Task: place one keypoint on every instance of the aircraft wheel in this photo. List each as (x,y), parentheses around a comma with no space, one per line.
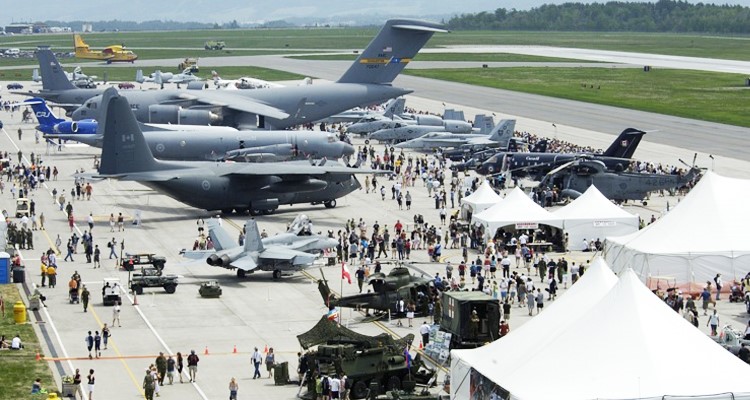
(241,211)
(330,204)
(367,141)
(226,211)
(394,383)
(393,149)
(268,211)
(645,203)
(359,390)
(241,273)
(254,212)
(276,274)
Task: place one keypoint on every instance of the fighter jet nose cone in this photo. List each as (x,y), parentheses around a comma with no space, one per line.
(347,149)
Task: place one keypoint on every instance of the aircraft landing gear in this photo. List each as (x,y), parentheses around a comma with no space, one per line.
(268,211)
(254,212)
(276,274)
(330,204)
(226,211)
(241,273)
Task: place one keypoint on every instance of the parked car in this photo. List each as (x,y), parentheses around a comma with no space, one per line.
(125,85)
(14,86)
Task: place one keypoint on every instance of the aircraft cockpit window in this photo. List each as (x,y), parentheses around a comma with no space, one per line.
(493,159)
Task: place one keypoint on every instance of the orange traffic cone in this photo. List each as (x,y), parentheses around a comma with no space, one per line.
(135,299)
(38,356)
(234,350)
(420,345)
(205,352)
(265,349)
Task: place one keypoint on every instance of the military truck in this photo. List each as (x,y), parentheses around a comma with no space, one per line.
(153,277)
(214,45)
(189,62)
(458,309)
(131,261)
(371,363)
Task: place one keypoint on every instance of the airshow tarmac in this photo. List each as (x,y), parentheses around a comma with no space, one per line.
(257,311)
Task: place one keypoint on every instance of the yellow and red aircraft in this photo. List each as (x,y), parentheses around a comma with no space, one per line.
(114,53)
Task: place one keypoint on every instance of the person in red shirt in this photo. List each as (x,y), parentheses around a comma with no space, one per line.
(398,227)
(504,328)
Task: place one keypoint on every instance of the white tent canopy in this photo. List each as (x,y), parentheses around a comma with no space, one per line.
(516,208)
(499,357)
(593,216)
(705,234)
(483,198)
(630,345)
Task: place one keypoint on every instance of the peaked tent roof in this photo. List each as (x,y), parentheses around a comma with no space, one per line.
(592,205)
(499,357)
(630,345)
(515,207)
(483,198)
(696,239)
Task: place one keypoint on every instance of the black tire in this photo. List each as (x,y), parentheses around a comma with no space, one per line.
(226,211)
(268,211)
(393,383)
(170,288)
(137,289)
(330,204)
(254,212)
(241,273)
(359,390)
(367,141)
(276,274)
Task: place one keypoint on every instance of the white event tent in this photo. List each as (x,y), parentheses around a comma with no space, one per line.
(483,198)
(500,356)
(628,345)
(515,209)
(705,234)
(593,216)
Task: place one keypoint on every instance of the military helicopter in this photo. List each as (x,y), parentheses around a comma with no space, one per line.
(386,290)
(574,177)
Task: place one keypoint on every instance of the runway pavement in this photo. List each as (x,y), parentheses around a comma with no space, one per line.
(257,311)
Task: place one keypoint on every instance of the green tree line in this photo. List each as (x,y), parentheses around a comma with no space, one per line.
(662,16)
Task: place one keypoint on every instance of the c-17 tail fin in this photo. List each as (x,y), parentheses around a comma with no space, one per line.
(53,76)
(252,236)
(625,144)
(397,43)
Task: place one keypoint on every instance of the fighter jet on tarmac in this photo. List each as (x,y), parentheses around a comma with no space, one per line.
(367,81)
(282,253)
(226,186)
(499,137)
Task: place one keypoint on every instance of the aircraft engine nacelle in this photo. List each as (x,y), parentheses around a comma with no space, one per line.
(66,128)
(455,126)
(429,120)
(214,260)
(171,114)
(309,185)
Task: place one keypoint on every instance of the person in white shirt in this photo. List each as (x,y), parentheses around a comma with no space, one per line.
(16,344)
(424,330)
(335,387)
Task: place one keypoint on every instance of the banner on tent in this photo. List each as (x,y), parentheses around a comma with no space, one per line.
(601,224)
(527,225)
(482,388)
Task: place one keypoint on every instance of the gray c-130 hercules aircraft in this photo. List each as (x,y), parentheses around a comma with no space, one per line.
(226,186)
(367,81)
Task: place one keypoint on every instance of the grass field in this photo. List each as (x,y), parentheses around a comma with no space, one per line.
(128,73)
(700,95)
(729,47)
(479,57)
(20,368)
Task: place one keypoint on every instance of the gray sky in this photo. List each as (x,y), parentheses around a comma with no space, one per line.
(256,11)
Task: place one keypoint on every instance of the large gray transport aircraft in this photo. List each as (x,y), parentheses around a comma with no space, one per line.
(226,186)
(367,81)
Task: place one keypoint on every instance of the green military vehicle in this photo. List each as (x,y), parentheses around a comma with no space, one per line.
(131,261)
(214,45)
(458,310)
(153,277)
(371,363)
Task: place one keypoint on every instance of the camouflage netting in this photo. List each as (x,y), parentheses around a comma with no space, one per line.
(327,331)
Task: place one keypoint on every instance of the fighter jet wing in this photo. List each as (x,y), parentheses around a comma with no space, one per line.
(235,103)
(246,263)
(298,257)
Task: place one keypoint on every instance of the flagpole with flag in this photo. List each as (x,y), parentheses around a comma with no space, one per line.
(344,275)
